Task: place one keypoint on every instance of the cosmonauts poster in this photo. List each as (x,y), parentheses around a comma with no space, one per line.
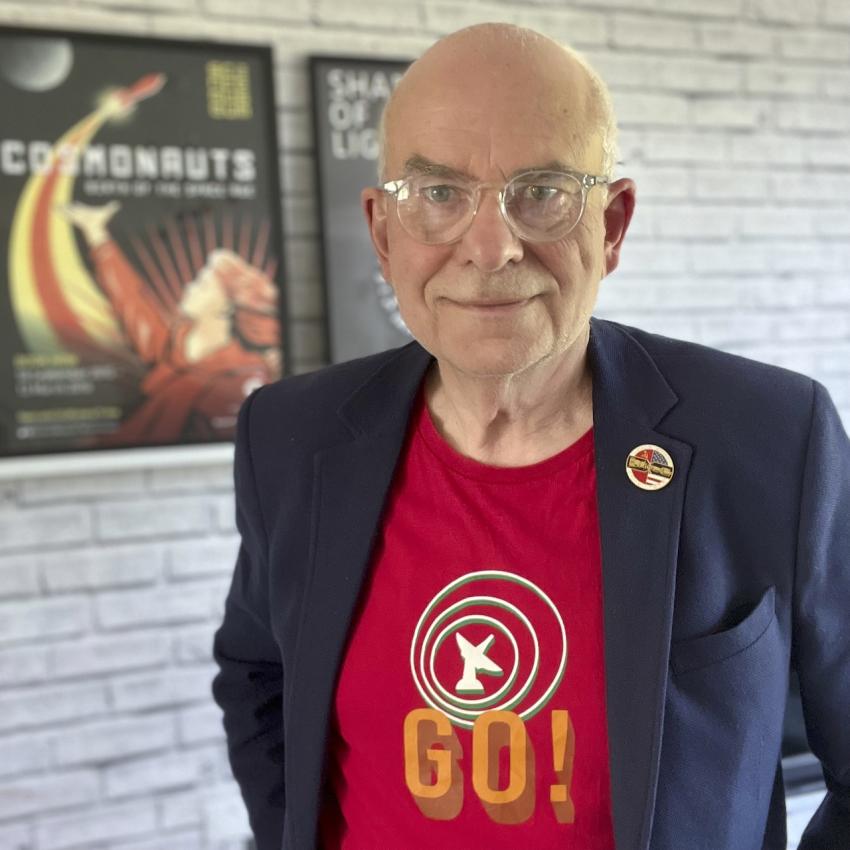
(140,240)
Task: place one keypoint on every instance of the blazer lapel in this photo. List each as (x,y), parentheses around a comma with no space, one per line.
(350,487)
(640,534)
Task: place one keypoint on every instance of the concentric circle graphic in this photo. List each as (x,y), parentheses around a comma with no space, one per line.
(488,626)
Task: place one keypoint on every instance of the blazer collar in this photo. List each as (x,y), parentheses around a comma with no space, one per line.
(639,532)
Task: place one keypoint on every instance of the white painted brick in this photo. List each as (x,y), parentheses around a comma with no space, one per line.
(151,517)
(214,556)
(660,182)
(23,753)
(821,188)
(576,28)
(815,44)
(308,340)
(829,117)
(770,292)
(833,223)
(734,113)
(701,76)
(729,184)
(726,328)
(671,147)
(298,172)
(108,654)
(23,666)
(295,130)
(162,606)
(150,5)
(378,14)
(300,216)
(292,85)
(827,152)
(108,740)
(815,325)
(647,108)
(772,221)
(718,8)
(194,644)
(832,359)
(836,12)
(39,794)
(622,70)
(836,83)
(37,527)
(162,689)
(158,773)
(303,262)
(225,814)
(721,257)
(38,706)
(701,222)
(18,576)
(43,618)
(225,513)
(833,292)
(17,837)
(781,78)
(218,476)
(736,39)
(335,41)
(106,823)
(639,31)
(782,11)
(259,10)
(806,255)
(107,566)
(200,724)
(641,226)
(768,148)
(185,839)
(74,18)
(76,487)
(179,810)
(653,256)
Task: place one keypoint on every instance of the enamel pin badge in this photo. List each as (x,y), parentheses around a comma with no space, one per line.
(649,467)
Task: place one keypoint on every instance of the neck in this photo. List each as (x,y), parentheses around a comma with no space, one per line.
(518,419)
(208,334)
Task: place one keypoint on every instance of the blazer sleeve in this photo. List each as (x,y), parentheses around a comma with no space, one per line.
(821,636)
(249,684)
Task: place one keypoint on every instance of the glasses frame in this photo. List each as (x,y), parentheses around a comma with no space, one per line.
(586,181)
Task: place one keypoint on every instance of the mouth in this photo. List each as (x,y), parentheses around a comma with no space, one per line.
(494,307)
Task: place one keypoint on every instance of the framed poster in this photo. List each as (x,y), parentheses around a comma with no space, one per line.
(140,240)
(348,98)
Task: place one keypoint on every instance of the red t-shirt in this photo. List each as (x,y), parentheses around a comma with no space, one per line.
(470,708)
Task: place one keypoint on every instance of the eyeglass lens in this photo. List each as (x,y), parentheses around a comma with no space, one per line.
(539,206)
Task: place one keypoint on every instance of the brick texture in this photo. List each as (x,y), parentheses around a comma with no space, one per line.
(735,123)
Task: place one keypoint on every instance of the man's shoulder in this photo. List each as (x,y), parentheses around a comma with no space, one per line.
(306,405)
(685,364)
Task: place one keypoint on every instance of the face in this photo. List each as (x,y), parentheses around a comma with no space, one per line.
(490,303)
(204,297)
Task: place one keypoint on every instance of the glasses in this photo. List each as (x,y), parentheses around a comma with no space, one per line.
(538,206)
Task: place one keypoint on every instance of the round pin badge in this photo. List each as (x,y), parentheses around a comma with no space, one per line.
(649,467)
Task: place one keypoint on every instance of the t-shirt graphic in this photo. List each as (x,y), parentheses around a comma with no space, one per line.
(470,705)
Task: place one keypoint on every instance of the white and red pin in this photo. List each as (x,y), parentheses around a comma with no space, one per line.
(649,467)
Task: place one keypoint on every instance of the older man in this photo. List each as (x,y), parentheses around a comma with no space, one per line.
(533,580)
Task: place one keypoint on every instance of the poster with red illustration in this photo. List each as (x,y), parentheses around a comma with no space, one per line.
(141,295)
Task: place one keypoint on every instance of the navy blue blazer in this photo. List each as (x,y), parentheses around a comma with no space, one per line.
(713,586)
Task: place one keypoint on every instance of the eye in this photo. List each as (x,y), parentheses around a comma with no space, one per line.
(541,193)
(440,194)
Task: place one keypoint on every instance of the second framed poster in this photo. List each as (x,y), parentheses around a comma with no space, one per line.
(348,98)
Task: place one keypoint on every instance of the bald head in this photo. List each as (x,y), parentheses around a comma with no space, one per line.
(494,68)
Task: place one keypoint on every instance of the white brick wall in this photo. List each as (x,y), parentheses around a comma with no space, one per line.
(735,122)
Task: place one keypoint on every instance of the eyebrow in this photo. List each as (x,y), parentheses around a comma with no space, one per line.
(418,164)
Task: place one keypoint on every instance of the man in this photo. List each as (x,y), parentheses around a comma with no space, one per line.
(533,580)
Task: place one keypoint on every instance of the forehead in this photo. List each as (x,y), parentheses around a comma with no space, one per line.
(501,118)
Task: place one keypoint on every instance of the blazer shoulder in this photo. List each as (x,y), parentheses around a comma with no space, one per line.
(303,408)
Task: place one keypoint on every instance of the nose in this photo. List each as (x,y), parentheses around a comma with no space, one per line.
(489,244)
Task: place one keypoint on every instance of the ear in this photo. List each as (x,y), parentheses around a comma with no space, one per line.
(618,213)
(374,204)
